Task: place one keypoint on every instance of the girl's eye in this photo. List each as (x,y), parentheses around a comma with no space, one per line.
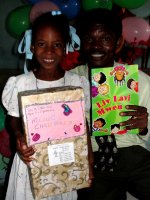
(41,44)
(58,45)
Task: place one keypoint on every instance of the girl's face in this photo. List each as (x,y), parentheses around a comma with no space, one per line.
(48,48)
(99,46)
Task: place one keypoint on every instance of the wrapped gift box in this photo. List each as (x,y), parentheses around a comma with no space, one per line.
(54,122)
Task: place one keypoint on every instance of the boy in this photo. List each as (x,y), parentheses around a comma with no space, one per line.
(101,39)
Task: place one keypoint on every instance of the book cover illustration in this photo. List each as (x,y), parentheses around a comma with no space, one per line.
(112,89)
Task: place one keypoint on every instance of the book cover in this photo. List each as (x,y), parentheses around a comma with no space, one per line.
(112,89)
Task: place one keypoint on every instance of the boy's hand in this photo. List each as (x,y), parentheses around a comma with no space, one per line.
(139,117)
(24,151)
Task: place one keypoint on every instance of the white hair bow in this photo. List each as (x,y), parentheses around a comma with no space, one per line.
(75,40)
(24,47)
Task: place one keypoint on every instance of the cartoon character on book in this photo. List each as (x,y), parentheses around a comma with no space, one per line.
(103,89)
(98,78)
(115,129)
(98,84)
(119,73)
(132,84)
(98,124)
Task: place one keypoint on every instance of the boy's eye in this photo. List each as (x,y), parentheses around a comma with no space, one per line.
(107,39)
(88,39)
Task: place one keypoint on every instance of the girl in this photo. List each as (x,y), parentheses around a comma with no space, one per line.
(50,34)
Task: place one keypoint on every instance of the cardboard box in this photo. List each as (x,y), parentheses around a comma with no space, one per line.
(54,122)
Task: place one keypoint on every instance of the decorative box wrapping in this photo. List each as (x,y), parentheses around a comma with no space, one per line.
(54,122)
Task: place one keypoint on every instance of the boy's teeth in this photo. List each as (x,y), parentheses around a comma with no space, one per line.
(97,55)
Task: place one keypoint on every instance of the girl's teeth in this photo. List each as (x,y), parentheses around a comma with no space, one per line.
(48,60)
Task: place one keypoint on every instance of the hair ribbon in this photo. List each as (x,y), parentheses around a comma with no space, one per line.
(24,47)
(75,40)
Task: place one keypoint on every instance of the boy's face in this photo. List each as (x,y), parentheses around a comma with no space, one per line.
(99,46)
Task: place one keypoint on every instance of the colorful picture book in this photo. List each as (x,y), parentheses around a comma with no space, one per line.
(112,89)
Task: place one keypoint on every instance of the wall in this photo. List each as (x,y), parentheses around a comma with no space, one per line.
(8,45)
(8,59)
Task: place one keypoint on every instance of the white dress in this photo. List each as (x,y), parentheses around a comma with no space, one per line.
(19,185)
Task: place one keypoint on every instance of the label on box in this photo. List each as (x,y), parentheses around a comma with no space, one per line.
(61,153)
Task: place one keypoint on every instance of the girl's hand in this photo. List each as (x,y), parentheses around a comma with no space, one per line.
(24,151)
(139,117)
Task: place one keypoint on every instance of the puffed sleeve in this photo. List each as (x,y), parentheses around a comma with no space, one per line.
(10,97)
(86,87)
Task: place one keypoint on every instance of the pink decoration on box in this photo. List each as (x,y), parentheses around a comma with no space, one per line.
(49,121)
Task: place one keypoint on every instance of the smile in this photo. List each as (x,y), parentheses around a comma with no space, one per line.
(48,60)
(97,55)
